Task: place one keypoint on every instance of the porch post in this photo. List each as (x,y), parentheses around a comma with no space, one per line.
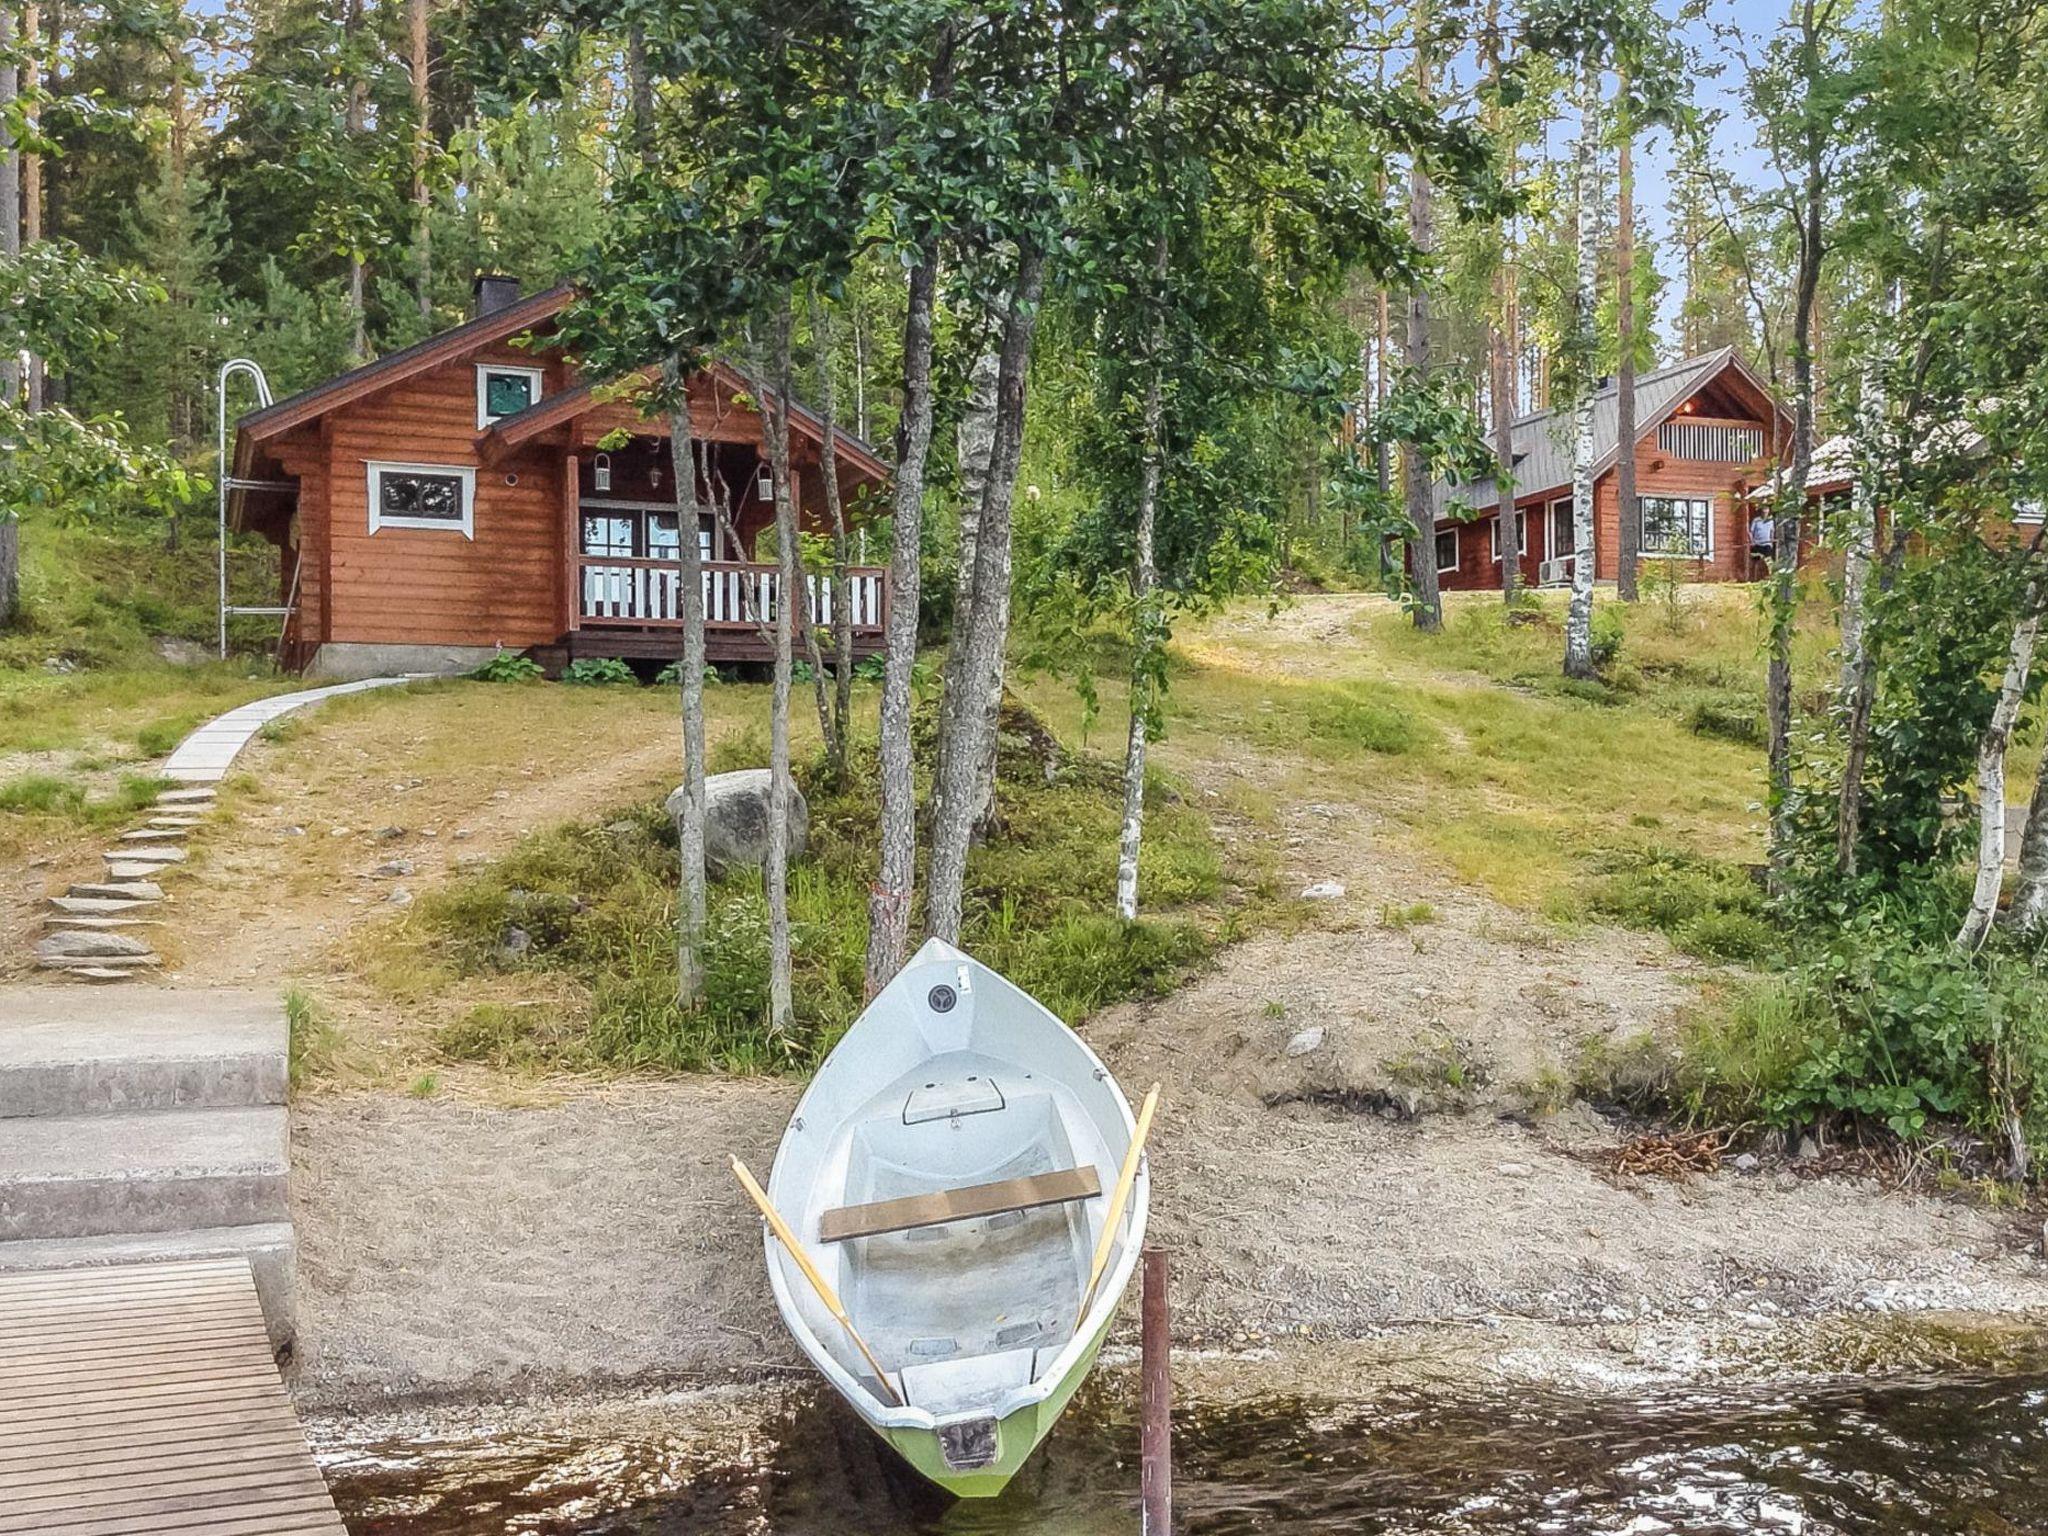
(572,544)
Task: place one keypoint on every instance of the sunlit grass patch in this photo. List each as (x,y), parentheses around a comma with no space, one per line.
(61,798)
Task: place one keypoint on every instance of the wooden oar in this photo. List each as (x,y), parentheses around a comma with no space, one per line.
(1117,1201)
(818,1282)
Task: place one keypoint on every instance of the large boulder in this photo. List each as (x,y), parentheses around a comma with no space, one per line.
(736,820)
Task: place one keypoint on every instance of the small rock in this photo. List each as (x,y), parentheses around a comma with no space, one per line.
(400,897)
(294,831)
(463,833)
(1323,890)
(1805,1149)
(516,942)
(471,860)
(501,794)
(1514,1170)
(1746,1163)
(339,832)
(389,834)
(391,869)
(1309,1039)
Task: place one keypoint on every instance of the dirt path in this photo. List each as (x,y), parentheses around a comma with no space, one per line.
(1360,1143)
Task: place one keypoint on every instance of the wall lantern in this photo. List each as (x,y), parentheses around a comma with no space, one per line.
(601,472)
(765,486)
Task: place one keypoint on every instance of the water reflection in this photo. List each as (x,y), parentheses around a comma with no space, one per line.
(1926,1458)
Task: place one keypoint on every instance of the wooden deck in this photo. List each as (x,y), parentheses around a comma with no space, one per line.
(144,1399)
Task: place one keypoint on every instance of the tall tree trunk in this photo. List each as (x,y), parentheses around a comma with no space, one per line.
(835,508)
(1991,749)
(1857,692)
(1147,636)
(32,169)
(640,94)
(354,121)
(964,752)
(1415,474)
(1629,546)
(690,904)
(422,143)
(973,447)
(1500,345)
(10,182)
(775,869)
(889,900)
(1578,627)
(2028,915)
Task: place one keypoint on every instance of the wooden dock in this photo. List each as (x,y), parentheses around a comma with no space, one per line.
(144,1399)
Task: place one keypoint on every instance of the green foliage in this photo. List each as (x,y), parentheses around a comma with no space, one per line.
(597,671)
(509,667)
(1707,908)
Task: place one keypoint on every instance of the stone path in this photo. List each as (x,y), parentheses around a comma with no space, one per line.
(99,930)
(204,756)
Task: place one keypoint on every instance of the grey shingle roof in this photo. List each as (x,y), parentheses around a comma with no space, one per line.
(1543,442)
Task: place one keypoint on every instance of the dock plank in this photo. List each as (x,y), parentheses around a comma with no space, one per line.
(142,1400)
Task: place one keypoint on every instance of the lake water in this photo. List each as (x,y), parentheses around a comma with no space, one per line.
(1949,1457)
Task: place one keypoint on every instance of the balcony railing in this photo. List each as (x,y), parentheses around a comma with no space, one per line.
(737,595)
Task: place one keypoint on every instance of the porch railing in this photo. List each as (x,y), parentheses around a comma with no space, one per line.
(737,595)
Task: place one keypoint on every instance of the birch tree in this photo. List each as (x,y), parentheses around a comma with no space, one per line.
(10,180)
(1629,510)
(422,150)
(1991,752)
(789,593)
(1578,628)
(1417,490)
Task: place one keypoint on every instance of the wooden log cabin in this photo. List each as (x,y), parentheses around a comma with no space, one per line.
(472,494)
(1708,431)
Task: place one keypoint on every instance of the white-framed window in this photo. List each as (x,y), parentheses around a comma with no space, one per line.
(504,389)
(1677,527)
(423,496)
(1521,535)
(1446,551)
(1564,530)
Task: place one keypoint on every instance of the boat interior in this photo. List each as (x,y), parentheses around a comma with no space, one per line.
(963,1230)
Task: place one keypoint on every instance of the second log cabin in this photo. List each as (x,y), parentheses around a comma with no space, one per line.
(473,494)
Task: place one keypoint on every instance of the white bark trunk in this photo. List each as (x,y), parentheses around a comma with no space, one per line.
(10,184)
(889,901)
(1991,776)
(2028,915)
(775,871)
(690,904)
(1578,628)
(1146,626)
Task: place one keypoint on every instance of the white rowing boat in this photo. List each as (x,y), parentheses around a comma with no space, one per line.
(945,1186)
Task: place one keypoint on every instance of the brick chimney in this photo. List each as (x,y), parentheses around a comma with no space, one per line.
(492,292)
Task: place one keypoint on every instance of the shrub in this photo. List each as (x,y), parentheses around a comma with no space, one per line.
(1730,717)
(42,794)
(672,674)
(509,667)
(1707,907)
(597,671)
(1606,636)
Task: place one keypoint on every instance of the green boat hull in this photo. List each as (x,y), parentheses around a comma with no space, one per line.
(1017,1436)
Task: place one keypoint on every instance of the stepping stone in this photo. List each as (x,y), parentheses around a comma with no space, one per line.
(117,947)
(173,823)
(126,890)
(118,964)
(64,922)
(94,906)
(145,855)
(122,869)
(97,973)
(186,797)
(154,835)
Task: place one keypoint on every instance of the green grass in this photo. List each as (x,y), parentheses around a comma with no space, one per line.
(65,799)
(591,908)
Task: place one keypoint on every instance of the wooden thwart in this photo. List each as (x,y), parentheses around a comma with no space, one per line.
(144,1398)
(944,1205)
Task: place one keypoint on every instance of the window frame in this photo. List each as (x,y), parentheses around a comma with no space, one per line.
(537,376)
(1450,533)
(376,469)
(1552,527)
(1706,552)
(1521,536)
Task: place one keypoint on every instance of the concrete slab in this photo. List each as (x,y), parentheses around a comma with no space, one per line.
(98,906)
(118,890)
(144,854)
(64,1054)
(58,922)
(159,1171)
(154,835)
(270,1247)
(189,796)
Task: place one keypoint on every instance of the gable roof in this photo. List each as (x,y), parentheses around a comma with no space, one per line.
(1543,441)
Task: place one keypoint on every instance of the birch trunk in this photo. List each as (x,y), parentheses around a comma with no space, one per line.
(32,169)
(690,902)
(1991,751)
(775,870)
(1146,626)
(889,900)
(1502,383)
(354,121)
(422,141)
(814,656)
(967,748)
(1629,546)
(835,508)
(10,182)
(1578,627)
(974,447)
(1416,489)
(2028,915)
(1856,693)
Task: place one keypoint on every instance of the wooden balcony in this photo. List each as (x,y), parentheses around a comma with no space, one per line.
(630,608)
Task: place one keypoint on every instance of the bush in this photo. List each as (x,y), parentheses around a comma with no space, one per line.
(1729,717)
(597,671)
(509,667)
(1707,907)
(1606,636)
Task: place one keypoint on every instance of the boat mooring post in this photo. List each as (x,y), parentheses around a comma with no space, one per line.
(1155,1414)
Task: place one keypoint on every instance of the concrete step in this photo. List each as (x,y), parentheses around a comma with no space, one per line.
(119,890)
(143,853)
(173,823)
(153,835)
(58,922)
(121,869)
(98,906)
(94,973)
(188,796)
(63,1055)
(126,964)
(269,1246)
(170,1170)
